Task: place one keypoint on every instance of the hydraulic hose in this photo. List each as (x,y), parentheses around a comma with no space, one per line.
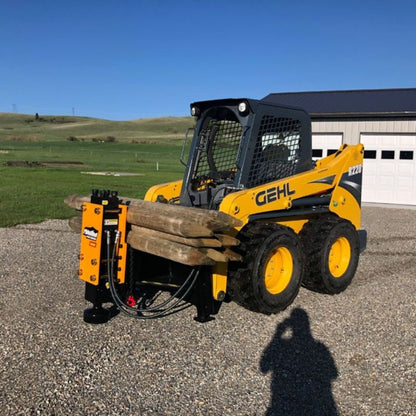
(155,311)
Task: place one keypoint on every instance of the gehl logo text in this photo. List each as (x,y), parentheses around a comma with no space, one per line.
(273,194)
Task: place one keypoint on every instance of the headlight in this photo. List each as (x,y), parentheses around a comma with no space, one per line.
(195,111)
(242,107)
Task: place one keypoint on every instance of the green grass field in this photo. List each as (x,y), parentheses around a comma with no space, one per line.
(30,194)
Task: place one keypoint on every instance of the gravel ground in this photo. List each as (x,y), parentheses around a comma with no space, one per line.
(351,354)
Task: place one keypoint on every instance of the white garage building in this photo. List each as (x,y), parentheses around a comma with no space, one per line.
(383,120)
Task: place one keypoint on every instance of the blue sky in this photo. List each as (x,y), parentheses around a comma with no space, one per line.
(125,59)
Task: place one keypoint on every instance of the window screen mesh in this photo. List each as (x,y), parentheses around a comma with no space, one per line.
(277,150)
(220,141)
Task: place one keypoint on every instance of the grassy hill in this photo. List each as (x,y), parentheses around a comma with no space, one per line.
(44,160)
(21,127)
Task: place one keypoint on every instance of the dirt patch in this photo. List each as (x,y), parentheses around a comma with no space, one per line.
(74,124)
(113,173)
(22,138)
(32,164)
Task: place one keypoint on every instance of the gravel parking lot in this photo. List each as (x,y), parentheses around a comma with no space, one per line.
(351,354)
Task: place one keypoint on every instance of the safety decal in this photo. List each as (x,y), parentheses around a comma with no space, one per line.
(111,221)
(91,233)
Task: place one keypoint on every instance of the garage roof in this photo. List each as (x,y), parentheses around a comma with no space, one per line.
(351,103)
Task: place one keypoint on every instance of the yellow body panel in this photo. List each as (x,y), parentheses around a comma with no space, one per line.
(343,202)
(280,194)
(295,225)
(219,280)
(170,190)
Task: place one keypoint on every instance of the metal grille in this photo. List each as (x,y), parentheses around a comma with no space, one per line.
(277,150)
(219,145)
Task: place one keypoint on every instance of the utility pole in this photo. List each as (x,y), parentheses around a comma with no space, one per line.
(14,108)
(73,111)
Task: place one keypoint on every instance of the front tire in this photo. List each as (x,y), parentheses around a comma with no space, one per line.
(269,278)
(332,251)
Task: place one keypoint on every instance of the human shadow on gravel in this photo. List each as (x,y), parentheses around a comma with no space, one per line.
(302,370)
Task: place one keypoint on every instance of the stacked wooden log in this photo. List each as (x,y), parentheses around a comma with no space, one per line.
(191,236)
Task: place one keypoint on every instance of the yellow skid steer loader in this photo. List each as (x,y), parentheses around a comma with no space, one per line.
(253,219)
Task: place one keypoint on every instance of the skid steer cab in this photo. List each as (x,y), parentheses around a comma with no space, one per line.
(252,220)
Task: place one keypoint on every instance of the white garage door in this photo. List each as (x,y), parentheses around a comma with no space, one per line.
(325,144)
(389,169)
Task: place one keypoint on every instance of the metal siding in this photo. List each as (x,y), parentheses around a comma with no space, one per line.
(353,129)
(355,133)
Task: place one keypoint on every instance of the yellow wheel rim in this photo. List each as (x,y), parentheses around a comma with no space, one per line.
(339,257)
(278,270)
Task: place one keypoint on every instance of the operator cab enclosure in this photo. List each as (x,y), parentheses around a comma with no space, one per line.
(242,143)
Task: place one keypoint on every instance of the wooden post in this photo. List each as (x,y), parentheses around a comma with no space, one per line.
(193,242)
(187,222)
(172,224)
(227,240)
(75,223)
(180,253)
(76,201)
(214,220)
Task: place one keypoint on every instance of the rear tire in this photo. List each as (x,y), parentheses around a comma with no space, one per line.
(332,250)
(269,278)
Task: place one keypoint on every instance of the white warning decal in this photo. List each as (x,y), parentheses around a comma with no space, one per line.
(91,233)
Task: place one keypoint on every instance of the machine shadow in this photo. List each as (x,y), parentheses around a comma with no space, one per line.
(302,370)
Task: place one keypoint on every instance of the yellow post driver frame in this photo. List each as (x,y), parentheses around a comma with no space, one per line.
(102,219)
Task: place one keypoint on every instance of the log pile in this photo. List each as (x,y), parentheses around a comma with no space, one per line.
(190,236)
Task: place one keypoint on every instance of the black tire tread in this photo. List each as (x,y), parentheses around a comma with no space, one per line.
(313,236)
(240,285)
